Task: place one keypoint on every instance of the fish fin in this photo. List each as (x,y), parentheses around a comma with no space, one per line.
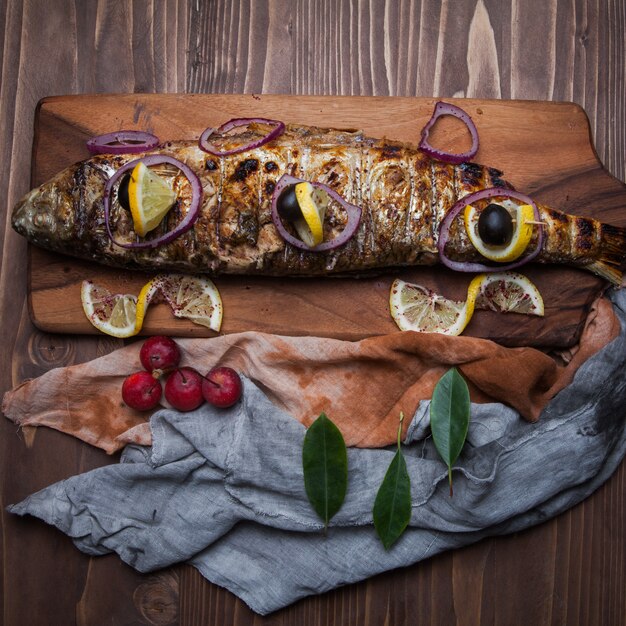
(612,259)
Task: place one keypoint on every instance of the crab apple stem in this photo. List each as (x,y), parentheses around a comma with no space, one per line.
(210,381)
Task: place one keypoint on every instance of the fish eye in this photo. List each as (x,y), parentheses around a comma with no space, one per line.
(41,217)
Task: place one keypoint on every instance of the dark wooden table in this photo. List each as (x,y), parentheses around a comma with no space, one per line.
(570,570)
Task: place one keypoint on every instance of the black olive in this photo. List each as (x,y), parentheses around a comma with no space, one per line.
(287,204)
(495,225)
(122,192)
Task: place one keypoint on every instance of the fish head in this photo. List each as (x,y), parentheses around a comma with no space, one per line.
(45,215)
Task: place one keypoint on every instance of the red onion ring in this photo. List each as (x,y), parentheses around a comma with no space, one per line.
(185,224)
(353,211)
(445,108)
(205,145)
(491,192)
(123,142)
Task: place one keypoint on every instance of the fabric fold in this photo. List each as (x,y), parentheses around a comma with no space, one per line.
(224,490)
(367,383)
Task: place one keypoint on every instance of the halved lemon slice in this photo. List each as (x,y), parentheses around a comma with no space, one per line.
(193,298)
(113,314)
(509,292)
(417,308)
(414,307)
(522,234)
(122,315)
(149,197)
(312,203)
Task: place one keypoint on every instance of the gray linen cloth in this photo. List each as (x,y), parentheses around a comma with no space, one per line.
(223,490)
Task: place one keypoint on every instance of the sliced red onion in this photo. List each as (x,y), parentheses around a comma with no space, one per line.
(185,224)
(491,192)
(445,108)
(123,142)
(203,142)
(353,211)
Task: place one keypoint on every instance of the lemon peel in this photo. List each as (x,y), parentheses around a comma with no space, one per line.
(313,206)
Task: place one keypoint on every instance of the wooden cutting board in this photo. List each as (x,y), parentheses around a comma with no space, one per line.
(544,149)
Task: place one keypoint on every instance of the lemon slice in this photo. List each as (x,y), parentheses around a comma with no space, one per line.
(193,298)
(519,241)
(149,197)
(114,315)
(417,308)
(509,292)
(312,203)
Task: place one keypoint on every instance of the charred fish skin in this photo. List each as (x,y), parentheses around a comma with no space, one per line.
(404,195)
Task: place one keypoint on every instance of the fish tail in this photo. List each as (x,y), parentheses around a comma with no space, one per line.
(612,258)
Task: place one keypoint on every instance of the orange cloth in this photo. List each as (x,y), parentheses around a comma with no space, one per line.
(362,386)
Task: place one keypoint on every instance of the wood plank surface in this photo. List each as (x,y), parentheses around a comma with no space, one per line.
(544,147)
(569,570)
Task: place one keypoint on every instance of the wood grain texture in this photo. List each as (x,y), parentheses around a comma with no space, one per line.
(570,570)
(343,307)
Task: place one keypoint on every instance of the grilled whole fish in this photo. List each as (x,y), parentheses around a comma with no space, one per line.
(404,196)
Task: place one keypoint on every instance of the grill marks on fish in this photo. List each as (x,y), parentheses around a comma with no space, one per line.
(84,188)
(403,195)
(238,222)
(585,235)
(244,168)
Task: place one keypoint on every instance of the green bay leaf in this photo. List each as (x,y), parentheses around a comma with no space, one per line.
(392,507)
(449,417)
(325,465)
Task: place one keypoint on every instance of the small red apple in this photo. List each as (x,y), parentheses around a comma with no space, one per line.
(141,391)
(183,389)
(159,354)
(221,387)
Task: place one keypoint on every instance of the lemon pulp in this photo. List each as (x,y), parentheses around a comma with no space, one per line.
(113,314)
(196,299)
(417,308)
(149,197)
(510,292)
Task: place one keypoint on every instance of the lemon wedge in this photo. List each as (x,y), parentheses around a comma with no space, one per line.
(113,314)
(418,308)
(149,198)
(522,234)
(312,203)
(509,292)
